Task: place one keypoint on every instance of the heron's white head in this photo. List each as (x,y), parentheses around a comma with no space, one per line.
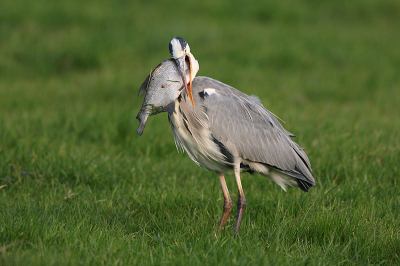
(178,47)
(180,51)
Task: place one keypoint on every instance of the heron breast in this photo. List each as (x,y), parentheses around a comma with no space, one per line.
(198,142)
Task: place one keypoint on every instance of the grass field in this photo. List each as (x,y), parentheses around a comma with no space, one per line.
(78,186)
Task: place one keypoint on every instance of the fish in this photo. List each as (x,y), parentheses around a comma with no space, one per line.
(163,86)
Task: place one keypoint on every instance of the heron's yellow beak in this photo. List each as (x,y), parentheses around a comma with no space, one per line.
(189,85)
(182,71)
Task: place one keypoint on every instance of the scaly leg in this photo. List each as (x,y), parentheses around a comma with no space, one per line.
(241,205)
(227,202)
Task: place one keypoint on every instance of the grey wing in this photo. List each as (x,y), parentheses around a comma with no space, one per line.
(242,123)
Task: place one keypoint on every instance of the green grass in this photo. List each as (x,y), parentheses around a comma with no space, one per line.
(78,186)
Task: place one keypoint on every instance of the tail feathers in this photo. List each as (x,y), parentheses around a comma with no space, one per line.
(294,178)
(302,182)
(304,185)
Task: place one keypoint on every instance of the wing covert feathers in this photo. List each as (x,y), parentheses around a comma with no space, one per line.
(246,127)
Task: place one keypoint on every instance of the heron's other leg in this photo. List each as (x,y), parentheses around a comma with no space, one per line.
(227,201)
(241,205)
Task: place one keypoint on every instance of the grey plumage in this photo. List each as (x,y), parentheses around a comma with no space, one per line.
(223,129)
(249,132)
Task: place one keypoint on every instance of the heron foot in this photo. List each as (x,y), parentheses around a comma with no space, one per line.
(227,202)
(225,214)
(241,206)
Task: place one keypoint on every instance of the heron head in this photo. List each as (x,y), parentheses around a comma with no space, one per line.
(180,51)
(178,48)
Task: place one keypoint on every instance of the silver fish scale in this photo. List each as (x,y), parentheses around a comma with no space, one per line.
(162,87)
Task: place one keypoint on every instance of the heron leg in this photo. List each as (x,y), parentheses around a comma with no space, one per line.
(241,205)
(227,201)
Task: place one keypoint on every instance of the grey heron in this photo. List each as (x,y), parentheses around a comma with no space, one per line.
(224,130)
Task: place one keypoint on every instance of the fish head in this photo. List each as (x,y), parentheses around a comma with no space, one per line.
(162,87)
